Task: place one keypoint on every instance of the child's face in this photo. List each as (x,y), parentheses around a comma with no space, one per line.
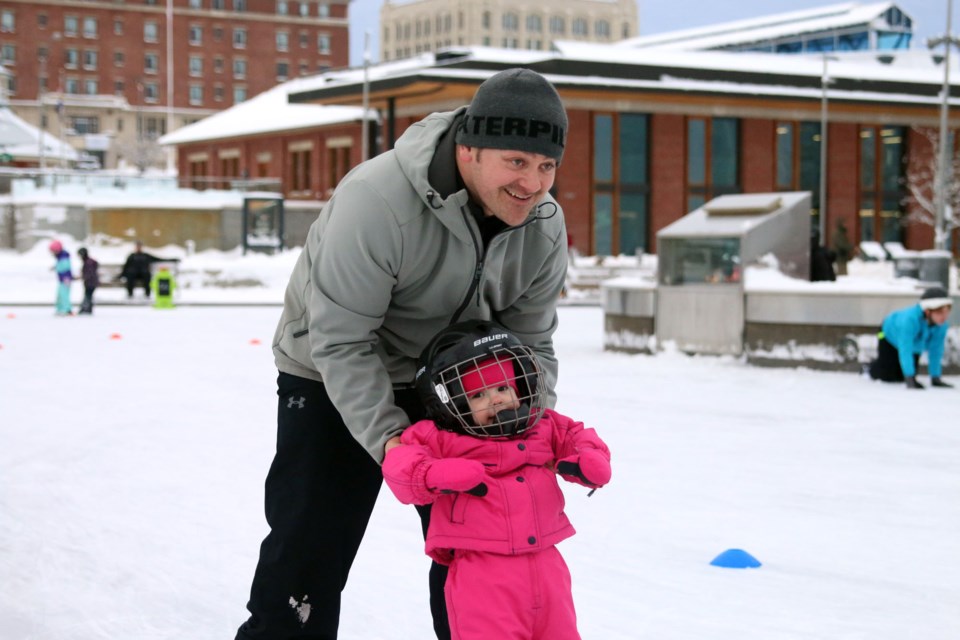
(485,404)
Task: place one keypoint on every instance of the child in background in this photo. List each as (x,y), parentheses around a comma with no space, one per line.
(64,278)
(91,280)
(488,459)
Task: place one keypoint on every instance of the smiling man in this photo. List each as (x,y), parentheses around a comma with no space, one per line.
(455,223)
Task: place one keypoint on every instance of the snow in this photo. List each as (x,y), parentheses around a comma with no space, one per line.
(134,444)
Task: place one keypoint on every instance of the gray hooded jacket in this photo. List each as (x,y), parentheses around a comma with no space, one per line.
(393,259)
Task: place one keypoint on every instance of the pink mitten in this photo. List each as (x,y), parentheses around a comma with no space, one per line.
(591,468)
(454,474)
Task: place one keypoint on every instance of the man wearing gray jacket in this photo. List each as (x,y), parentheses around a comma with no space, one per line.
(454,223)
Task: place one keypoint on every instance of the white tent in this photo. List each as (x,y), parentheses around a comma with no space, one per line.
(21,140)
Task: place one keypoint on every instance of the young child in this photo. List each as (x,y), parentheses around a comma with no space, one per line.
(488,459)
(91,280)
(64,278)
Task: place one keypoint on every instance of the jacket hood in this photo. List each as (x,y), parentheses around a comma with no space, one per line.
(415,151)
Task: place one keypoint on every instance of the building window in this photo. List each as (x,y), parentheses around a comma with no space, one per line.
(151,91)
(300,170)
(625,31)
(218,64)
(150,31)
(89,27)
(239,94)
(338,164)
(798,161)
(89,60)
(283,71)
(239,38)
(239,68)
(218,92)
(196,65)
(620,183)
(8,53)
(535,24)
(118,27)
(83,125)
(196,34)
(283,41)
(239,5)
(8,21)
(151,63)
(196,4)
(218,5)
(71,58)
(304,9)
(282,8)
(510,22)
(580,27)
(218,34)
(71,25)
(196,94)
(71,86)
(882,164)
(91,87)
(323,44)
(713,151)
(118,90)
(12,85)
(323,10)
(601,29)
(118,58)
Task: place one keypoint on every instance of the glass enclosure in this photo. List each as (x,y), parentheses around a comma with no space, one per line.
(699,261)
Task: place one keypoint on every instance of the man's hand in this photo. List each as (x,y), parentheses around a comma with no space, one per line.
(937,381)
(391,443)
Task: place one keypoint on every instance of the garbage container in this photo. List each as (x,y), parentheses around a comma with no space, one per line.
(935,267)
(907,265)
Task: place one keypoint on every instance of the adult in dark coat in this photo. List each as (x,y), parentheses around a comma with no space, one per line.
(136,270)
(821,259)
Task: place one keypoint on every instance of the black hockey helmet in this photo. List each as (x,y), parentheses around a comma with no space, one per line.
(479,351)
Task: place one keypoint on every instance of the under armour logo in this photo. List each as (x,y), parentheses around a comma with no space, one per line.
(298,402)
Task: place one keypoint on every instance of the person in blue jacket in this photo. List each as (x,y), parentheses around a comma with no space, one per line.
(64,278)
(907,333)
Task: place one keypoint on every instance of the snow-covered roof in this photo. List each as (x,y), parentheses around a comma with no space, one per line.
(770,27)
(21,140)
(266,112)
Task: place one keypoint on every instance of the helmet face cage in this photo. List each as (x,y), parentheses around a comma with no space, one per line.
(454,354)
(510,420)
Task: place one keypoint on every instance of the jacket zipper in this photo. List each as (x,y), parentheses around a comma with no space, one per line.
(477,272)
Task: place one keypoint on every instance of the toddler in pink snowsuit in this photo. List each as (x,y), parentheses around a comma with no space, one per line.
(488,461)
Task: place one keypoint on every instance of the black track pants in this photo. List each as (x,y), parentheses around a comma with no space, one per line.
(319,495)
(887,365)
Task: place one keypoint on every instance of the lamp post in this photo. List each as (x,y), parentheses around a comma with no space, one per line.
(824,81)
(942,178)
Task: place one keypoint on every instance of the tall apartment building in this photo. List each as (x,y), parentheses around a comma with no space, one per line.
(111,76)
(412,27)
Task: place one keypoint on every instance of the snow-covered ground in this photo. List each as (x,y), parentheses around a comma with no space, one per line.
(134,444)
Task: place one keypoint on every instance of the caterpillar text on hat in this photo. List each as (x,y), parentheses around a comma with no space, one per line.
(516,109)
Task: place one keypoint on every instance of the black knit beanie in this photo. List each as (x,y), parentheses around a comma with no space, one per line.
(934,298)
(516,109)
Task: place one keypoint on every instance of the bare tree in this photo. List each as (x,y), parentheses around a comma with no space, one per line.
(921,183)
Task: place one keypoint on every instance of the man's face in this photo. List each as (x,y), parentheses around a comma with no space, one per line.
(507,184)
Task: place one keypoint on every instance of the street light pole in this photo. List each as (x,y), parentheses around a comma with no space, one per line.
(824,81)
(940,192)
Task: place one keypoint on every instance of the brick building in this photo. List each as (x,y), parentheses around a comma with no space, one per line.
(110,78)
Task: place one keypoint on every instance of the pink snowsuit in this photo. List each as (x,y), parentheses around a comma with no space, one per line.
(507,580)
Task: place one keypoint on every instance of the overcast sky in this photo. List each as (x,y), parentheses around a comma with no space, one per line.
(929,17)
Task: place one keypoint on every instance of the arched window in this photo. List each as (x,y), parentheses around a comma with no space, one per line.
(580,27)
(601,29)
(485,20)
(558,26)
(510,22)
(535,24)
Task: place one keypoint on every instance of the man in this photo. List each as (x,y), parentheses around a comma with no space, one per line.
(136,270)
(454,223)
(909,332)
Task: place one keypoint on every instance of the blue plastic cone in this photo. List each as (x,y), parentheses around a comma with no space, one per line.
(735,559)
